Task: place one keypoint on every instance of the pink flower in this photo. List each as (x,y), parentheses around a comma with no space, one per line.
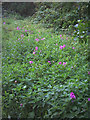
(4,23)
(15,81)
(89,72)
(18,38)
(36,48)
(73,47)
(49,62)
(60,35)
(56,43)
(62,38)
(72,95)
(88,99)
(22,35)
(66,38)
(42,38)
(53,61)
(21,104)
(18,28)
(61,47)
(64,63)
(38,31)
(37,39)
(25,30)
(33,52)
(60,62)
(30,62)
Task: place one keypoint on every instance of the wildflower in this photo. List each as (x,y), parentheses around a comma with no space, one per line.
(64,63)
(61,47)
(76,25)
(42,38)
(36,48)
(22,35)
(66,38)
(49,62)
(88,99)
(60,62)
(30,62)
(15,81)
(37,39)
(21,104)
(89,72)
(33,52)
(72,95)
(4,23)
(53,61)
(71,66)
(18,28)
(73,47)
(81,36)
(62,38)
(56,43)
(18,38)
(25,30)
(60,35)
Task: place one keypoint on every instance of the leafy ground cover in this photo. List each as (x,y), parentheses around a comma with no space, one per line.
(45,75)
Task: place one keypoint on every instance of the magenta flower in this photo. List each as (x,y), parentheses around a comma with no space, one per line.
(21,104)
(73,47)
(4,23)
(89,72)
(36,48)
(60,62)
(88,99)
(18,28)
(60,35)
(30,62)
(37,39)
(18,38)
(25,30)
(62,38)
(72,95)
(42,38)
(64,63)
(33,52)
(49,62)
(56,43)
(61,47)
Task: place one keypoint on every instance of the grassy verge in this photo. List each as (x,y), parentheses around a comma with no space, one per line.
(40,70)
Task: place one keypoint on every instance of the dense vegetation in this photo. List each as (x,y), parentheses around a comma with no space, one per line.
(45,74)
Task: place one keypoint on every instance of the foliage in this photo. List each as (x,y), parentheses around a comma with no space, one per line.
(42,89)
(62,15)
(81,31)
(23,8)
